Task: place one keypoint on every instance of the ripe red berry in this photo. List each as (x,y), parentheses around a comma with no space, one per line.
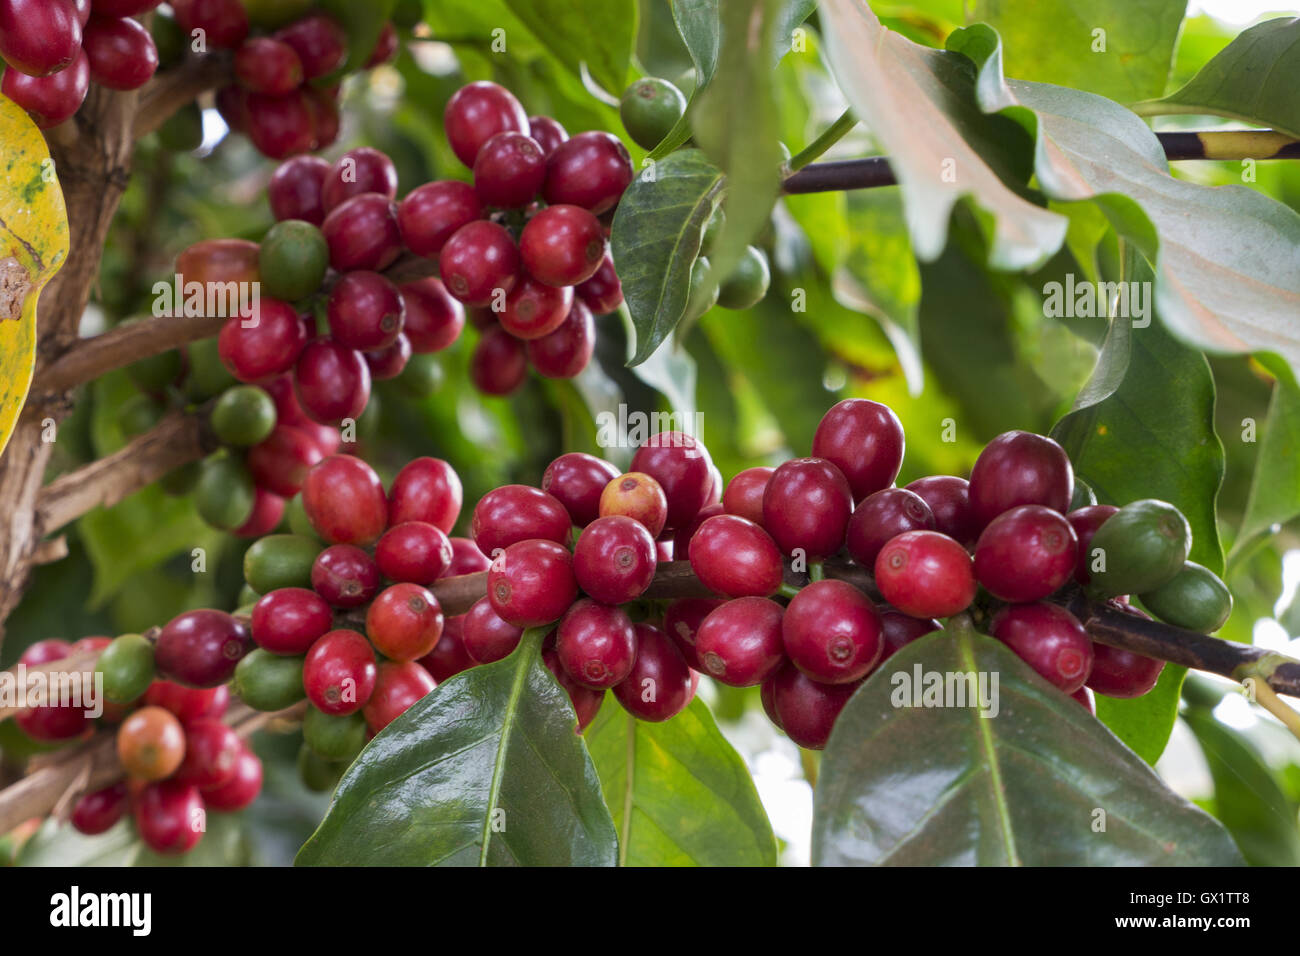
(516,513)
(681,540)
(448,656)
(187,703)
(361,170)
(949,500)
(39,37)
(290,620)
(114,8)
(397,688)
(223,22)
(1085,522)
(925,574)
(331,382)
(281,462)
(326,121)
(1026,553)
(596,644)
(806,709)
(262,342)
(864,439)
(413,551)
(466,558)
(405,621)
(231,102)
(486,637)
(319,41)
(431,213)
(338,673)
(586,700)
(434,318)
(898,629)
(212,752)
(660,684)
(1020,468)
(682,620)
(50,721)
(296,189)
(681,465)
(1121,673)
(99,811)
(201,648)
(807,506)
(531,583)
(389,362)
(1049,639)
(170,816)
(562,245)
(881,516)
(427,489)
(744,493)
(740,642)
(385,47)
(832,632)
(499,364)
(478,262)
(590,170)
(280,126)
(477,112)
(509,170)
(576,480)
(268,511)
(241,789)
(345,501)
(534,309)
(267,65)
(345,576)
(362,233)
(365,311)
(547,132)
(614,559)
(638,496)
(50,100)
(120,51)
(735,557)
(565,352)
(603,292)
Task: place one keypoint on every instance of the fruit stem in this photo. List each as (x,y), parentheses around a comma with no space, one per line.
(828,138)
(816,571)
(788,591)
(1255,679)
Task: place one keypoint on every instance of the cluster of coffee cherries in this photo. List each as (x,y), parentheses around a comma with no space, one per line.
(179,758)
(54,49)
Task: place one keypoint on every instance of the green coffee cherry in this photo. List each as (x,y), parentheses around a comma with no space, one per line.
(650,108)
(334,738)
(712,230)
(270,14)
(127,667)
(225,495)
(243,415)
(747,285)
(280,561)
(1195,598)
(139,413)
(297,517)
(208,374)
(182,480)
(317,773)
(170,40)
(1144,545)
(265,681)
(292,260)
(421,378)
(703,294)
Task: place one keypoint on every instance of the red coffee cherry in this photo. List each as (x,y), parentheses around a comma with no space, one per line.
(188,703)
(660,684)
(99,811)
(565,352)
(805,709)
(614,559)
(1049,639)
(925,574)
(1120,673)
(241,789)
(562,245)
(949,500)
(231,102)
(326,121)
(267,65)
(223,22)
(113,8)
(212,752)
(596,644)
(150,744)
(201,648)
(366,311)
(576,480)
(404,622)
(736,558)
(477,112)
(434,319)
(466,558)
(864,440)
(603,292)
(1020,468)
(296,189)
(547,133)
(516,513)
(413,551)
(586,701)
(682,620)
(39,37)
(431,214)
(385,47)
(290,620)
(120,51)
(362,233)
(590,170)
(898,629)
(832,632)
(744,493)
(280,126)
(479,259)
(531,583)
(509,170)
(681,542)
(331,382)
(389,362)
(1085,522)
(807,506)
(258,345)
(268,511)
(345,576)
(883,515)
(740,642)
(681,465)
(50,100)
(638,496)
(1026,553)
(320,43)
(281,462)
(448,656)
(397,688)
(486,637)
(427,489)
(533,309)
(50,721)
(345,501)
(361,170)
(169,816)
(499,364)
(339,673)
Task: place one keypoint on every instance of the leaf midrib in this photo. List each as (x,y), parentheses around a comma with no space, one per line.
(503,745)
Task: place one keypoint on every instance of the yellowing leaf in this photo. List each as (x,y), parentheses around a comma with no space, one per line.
(33,245)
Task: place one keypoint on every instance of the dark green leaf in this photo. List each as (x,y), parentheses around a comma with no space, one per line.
(484,771)
(1145,723)
(678,792)
(595,33)
(1275,487)
(1033,785)
(362,22)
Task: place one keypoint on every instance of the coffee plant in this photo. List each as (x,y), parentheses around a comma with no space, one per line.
(514,432)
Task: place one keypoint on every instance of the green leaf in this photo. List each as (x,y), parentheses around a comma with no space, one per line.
(486,771)
(362,22)
(678,792)
(1253,80)
(656,238)
(1275,487)
(918,785)
(1139,38)
(919,103)
(701,30)
(1248,796)
(1145,723)
(596,33)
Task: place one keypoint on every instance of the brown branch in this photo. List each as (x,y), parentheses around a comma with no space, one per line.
(170,90)
(121,346)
